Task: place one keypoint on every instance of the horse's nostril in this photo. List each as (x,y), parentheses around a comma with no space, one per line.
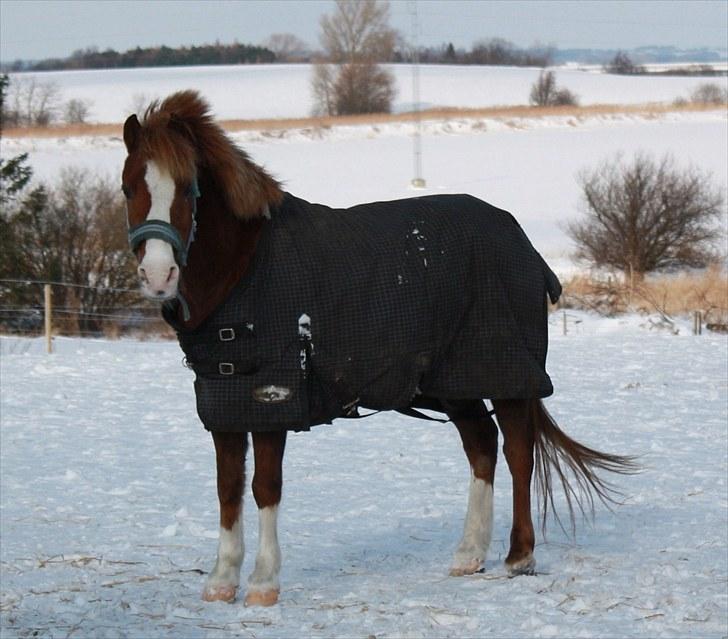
(172,273)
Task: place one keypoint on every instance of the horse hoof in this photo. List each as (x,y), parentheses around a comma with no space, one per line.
(525,566)
(219,593)
(262,598)
(467,568)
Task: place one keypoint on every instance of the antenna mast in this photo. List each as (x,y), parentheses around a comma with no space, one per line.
(418,182)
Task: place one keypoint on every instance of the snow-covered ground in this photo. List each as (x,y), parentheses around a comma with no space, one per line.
(283,91)
(108,513)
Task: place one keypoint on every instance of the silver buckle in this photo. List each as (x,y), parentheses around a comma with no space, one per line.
(226,368)
(226,334)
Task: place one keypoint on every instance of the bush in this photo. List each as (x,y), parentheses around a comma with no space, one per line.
(709,93)
(622,64)
(647,215)
(76,111)
(544,92)
(75,232)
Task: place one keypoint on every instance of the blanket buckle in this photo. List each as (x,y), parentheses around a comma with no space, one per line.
(226,368)
(226,334)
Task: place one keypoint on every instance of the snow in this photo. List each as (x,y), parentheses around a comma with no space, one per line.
(108,510)
(283,91)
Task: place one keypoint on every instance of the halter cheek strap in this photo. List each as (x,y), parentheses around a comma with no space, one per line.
(160,230)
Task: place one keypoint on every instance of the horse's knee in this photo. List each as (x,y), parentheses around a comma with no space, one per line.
(267,490)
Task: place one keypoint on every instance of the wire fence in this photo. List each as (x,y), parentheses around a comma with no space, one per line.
(79,317)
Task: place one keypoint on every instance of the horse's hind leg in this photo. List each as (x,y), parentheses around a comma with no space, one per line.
(223,581)
(263,584)
(518,443)
(480,441)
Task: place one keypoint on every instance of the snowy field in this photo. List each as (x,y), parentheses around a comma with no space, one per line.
(283,91)
(527,166)
(108,511)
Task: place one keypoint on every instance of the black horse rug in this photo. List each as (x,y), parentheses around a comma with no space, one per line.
(380,306)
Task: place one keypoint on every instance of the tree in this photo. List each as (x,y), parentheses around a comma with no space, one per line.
(355,38)
(622,64)
(544,92)
(15,172)
(72,232)
(287,47)
(647,215)
(709,93)
(76,111)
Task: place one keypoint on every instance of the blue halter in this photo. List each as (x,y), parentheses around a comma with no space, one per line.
(159,230)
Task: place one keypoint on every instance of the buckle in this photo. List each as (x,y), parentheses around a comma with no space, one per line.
(226,368)
(226,334)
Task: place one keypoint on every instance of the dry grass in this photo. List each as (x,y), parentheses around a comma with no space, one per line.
(445,113)
(669,295)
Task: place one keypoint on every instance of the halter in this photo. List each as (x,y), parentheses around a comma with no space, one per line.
(159,230)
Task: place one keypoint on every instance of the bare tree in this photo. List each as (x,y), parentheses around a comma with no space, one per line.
(76,111)
(544,92)
(33,103)
(647,215)
(709,93)
(622,64)
(71,232)
(287,47)
(355,38)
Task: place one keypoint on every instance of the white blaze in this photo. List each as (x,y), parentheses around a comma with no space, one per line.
(158,260)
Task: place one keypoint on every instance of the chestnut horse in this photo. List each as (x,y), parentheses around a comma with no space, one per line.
(181,168)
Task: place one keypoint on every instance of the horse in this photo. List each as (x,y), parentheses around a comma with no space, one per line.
(202,215)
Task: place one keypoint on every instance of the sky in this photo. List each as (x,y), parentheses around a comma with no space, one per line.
(37,29)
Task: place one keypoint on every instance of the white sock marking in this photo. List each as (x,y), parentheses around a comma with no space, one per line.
(230,552)
(268,560)
(478,525)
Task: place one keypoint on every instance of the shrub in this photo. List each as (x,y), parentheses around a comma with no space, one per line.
(544,92)
(709,93)
(647,215)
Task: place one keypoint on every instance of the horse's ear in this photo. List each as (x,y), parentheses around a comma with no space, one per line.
(131,133)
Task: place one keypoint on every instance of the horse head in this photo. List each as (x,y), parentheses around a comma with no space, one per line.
(174,147)
(159,181)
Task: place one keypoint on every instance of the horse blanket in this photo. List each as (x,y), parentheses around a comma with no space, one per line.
(377,306)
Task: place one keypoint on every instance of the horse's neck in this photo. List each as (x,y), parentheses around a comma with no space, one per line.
(222,251)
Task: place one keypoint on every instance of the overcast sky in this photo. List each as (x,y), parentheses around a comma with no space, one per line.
(35,29)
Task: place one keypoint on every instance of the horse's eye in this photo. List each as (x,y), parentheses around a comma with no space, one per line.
(126,191)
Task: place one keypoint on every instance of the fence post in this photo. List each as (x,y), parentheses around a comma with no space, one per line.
(565,331)
(48,328)
(697,323)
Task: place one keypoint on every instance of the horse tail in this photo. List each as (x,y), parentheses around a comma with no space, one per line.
(576,466)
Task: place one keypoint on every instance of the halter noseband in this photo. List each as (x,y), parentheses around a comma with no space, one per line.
(160,230)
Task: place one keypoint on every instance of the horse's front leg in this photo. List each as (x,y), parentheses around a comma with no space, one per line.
(263,584)
(230,449)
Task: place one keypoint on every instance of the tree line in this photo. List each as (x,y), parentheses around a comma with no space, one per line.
(207,54)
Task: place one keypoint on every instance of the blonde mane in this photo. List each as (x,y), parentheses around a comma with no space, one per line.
(180,134)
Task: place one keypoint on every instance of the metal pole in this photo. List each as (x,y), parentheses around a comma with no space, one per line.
(48,327)
(418,181)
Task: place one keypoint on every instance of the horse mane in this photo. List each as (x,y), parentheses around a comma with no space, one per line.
(180,134)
